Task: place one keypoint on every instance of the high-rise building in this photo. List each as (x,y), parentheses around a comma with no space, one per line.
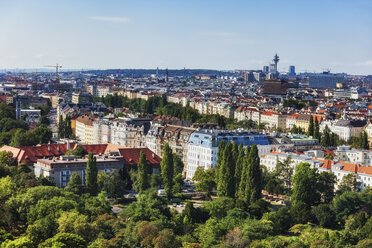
(292,71)
(266,69)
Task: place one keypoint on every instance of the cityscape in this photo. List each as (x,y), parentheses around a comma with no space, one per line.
(185,137)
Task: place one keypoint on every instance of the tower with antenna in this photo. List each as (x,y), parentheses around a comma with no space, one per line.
(276,61)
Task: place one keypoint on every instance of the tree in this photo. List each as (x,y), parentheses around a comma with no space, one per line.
(178,164)
(226,184)
(79,152)
(244,176)
(324,215)
(61,127)
(316,134)
(24,138)
(91,175)
(221,148)
(74,185)
(143,181)
(67,127)
(6,158)
(239,168)
(167,170)
(305,185)
(177,183)
(22,242)
(205,180)
(62,240)
(310,130)
(43,134)
(254,176)
(284,172)
(326,139)
(326,186)
(44,120)
(348,183)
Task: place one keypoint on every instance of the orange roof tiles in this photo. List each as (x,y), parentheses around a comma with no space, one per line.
(131,156)
(365,170)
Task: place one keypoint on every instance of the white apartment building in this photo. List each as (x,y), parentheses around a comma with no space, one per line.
(203,147)
(346,153)
(345,129)
(102,131)
(269,160)
(338,168)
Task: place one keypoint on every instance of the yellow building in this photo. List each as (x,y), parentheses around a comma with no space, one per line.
(84,129)
(303,122)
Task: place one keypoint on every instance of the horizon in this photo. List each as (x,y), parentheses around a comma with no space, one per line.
(218,35)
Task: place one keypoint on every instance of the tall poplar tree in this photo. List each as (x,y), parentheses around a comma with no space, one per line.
(221,148)
(254,176)
(239,169)
(167,170)
(67,127)
(61,127)
(226,185)
(310,130)
(326,139)
(91,175)
(316,130)
(143,176)
(243,178)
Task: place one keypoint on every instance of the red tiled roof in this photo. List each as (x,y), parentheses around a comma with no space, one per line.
(30,154)
(131,156)
(365,170)
(95,149)
(349,166)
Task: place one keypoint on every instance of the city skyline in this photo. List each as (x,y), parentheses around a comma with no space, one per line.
(220,35)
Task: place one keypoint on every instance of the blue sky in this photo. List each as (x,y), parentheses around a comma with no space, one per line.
(312,35)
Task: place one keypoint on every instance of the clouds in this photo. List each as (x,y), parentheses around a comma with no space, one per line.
(112,19)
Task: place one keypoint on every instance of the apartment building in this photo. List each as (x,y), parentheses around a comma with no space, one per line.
(84,129)
(203,146)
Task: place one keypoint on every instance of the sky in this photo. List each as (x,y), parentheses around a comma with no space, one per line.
(313,35)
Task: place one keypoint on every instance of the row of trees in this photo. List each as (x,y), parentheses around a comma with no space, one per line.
(238,172)
(313,129)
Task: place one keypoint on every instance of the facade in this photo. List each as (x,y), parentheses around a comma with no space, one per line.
(275,87)
(291,121)
(325,80)
(368,130)
(101,131)
(270,160)
(81,98)
(303,121)
(345,129)
(348,154)
(302,142)
(59,170)
(203,147)
(84,129)
(273,119)
(129,132)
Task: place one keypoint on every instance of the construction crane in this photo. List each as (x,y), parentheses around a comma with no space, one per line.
(57,67)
